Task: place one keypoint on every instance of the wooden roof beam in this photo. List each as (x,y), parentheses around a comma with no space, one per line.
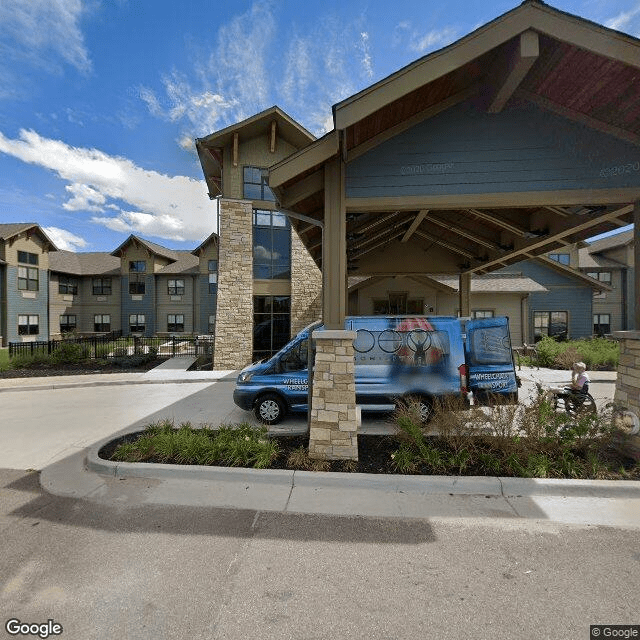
(567,229)
(375,236)
(414,225)
(465,234)
(498,222)
(382,243)
(313,183)
(519,65)
(447,245)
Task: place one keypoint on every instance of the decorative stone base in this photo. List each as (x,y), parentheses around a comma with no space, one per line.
(628,382)
(334,418)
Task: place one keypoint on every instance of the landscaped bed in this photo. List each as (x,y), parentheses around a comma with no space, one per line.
(544,444)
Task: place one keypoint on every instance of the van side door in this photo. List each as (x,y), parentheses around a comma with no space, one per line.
(293,374)
(489,359)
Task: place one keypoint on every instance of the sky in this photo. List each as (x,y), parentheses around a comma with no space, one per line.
(101,100)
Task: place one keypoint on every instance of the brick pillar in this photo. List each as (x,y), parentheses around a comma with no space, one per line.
(234,311)
(333,433)
(628,382)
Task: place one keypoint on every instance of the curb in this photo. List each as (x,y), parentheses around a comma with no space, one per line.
(384,483)
(106,383)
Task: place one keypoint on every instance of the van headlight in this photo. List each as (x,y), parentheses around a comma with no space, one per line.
(245,377)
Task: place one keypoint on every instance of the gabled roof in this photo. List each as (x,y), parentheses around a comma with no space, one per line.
(10,230)
(214,237)
(611,242)
(570,271)
(495,283)
(186,263)
(152,247)
(84,263)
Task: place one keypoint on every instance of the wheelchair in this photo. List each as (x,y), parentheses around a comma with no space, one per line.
(575,403)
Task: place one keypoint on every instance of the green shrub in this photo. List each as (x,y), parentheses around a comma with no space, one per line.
(68,353)
(596,353)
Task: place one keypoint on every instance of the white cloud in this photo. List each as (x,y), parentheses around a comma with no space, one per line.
(65,239)
(173,207)
(253,66)
(625,21)
(419,42)
(44,32)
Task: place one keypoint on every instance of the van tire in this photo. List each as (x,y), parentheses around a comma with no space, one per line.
(269,409)
(425,406)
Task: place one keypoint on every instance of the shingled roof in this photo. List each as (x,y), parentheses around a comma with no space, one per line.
(85,263)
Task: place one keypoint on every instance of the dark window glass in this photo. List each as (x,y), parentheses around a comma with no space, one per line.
(271,324)
(271,246)
(255,184)
(137,323)
(102,322)
(213,276)
(136,284)
(550,323)
(601,324)
(138,266)
(28,325)
(67,286)
(101,286)
(27,258)
(176,287)
(67,323)
(562,258)
(212,324)
(28,279)
(175,322)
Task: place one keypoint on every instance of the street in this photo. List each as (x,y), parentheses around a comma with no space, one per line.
(121,563)
(135,571)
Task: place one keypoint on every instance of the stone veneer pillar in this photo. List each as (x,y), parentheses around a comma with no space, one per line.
(234,310)
(334,419)
(628,383)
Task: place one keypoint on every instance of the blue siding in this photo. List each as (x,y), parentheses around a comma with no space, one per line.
(17,305)
(145,306)
(467,151)
(564,294)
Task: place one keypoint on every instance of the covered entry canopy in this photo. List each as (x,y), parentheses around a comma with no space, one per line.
(518,139)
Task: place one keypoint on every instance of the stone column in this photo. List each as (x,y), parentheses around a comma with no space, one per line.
(334,418)
(628,382)
(234,312)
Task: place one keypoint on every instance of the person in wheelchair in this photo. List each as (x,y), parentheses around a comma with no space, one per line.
(577,394)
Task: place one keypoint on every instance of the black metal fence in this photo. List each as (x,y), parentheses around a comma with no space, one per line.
(115,345)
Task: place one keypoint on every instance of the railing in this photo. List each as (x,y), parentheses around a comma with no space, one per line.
(114,345)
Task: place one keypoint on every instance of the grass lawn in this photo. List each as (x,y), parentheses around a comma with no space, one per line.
(4,358)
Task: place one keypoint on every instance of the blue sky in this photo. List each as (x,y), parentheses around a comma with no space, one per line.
(100,100)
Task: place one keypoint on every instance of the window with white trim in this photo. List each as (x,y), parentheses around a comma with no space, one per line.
(28,325)
(175,322)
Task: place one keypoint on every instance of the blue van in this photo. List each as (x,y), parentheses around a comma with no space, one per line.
(396,357)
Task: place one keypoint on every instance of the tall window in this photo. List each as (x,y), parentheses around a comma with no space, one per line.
(101,286)
(27,275)
(137,272)
(175,322)
(255,184)
(28,325)
(211,328)
(562,258)
(601,324)
(271,324)
(68,323)
(271,245)
(176,287)
(550,323)
(102,322)
(67,285)
(213,276)
(137,323)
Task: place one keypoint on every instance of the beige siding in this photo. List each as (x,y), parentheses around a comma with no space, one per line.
(33,245)
(254,152)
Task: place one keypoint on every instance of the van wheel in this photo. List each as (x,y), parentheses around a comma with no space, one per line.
(269,409)
(421,404)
